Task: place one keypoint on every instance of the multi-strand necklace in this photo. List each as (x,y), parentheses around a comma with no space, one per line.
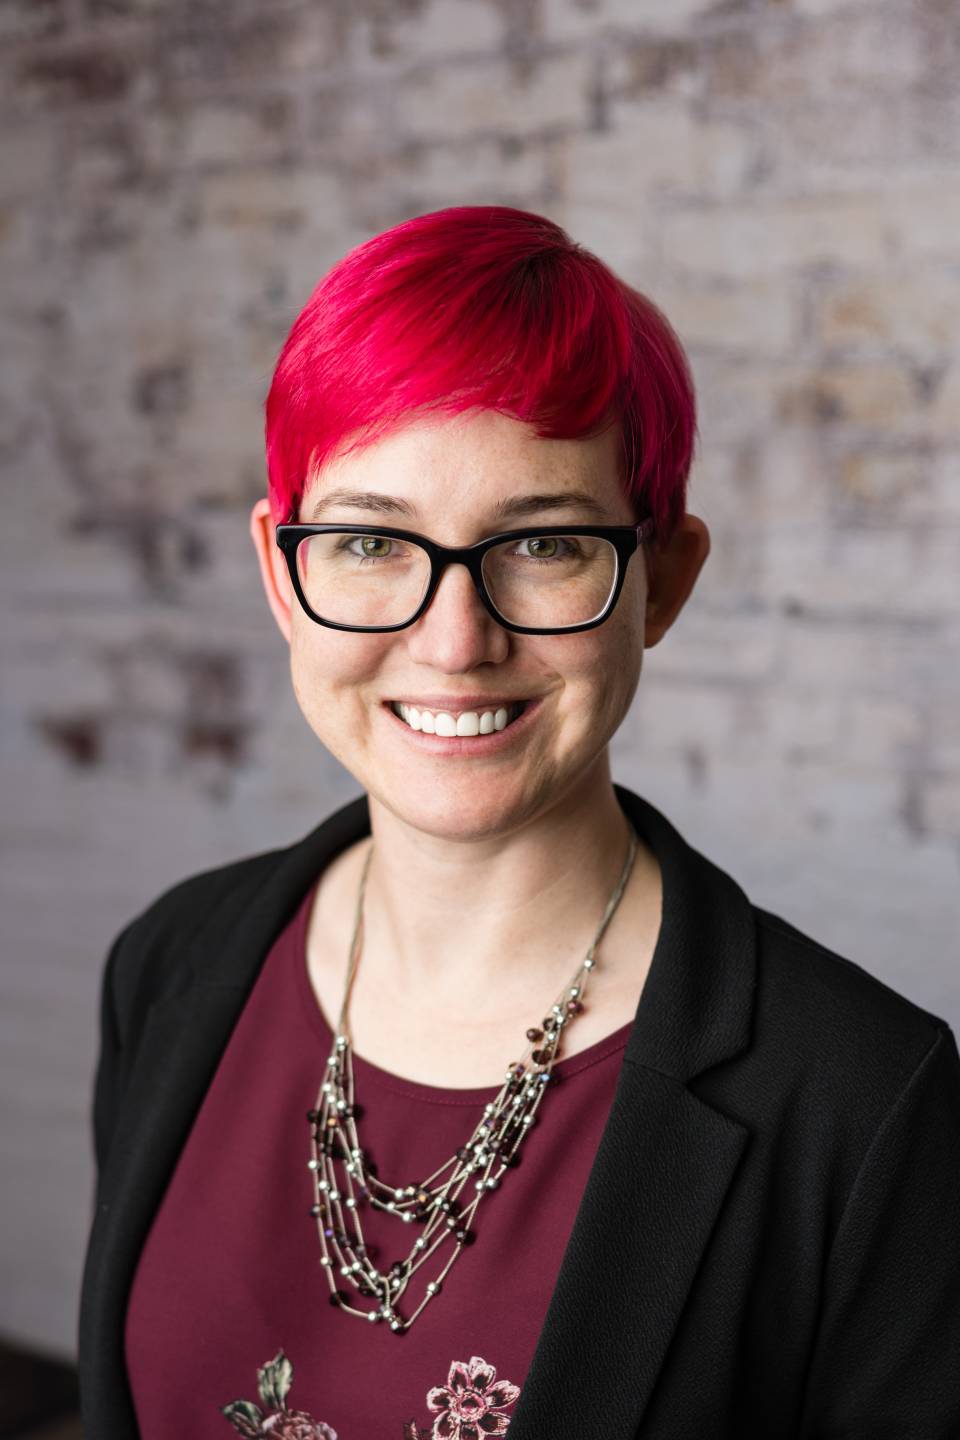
(434,1204)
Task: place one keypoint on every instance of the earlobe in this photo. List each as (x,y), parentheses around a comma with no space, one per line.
(273,566)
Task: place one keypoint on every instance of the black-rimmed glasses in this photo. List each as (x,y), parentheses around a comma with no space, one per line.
(546,581)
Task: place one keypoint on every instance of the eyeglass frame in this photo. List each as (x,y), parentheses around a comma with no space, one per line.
(626,540)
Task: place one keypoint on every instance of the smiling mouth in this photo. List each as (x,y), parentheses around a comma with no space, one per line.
(465,723)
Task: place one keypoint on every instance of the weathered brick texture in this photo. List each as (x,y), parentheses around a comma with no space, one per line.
(175,177)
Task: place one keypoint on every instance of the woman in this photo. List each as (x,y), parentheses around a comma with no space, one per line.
(491,1104)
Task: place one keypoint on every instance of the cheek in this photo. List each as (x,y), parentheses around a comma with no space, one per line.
(600,671)
(623,641)
(334,666)
(614,678)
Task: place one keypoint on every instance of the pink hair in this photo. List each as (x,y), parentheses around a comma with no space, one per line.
(481,306)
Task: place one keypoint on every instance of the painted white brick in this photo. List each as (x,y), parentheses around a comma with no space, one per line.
(490,97)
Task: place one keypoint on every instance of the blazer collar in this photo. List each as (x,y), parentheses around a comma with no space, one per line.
(663,1165)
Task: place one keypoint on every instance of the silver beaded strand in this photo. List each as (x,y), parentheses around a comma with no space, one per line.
(487,1154)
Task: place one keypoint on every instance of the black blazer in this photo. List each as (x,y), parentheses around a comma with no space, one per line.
(768,1244)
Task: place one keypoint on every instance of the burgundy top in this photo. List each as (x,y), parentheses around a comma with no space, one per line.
(230,1308)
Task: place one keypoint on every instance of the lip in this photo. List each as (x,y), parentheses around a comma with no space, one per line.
(453,706)
(467,745)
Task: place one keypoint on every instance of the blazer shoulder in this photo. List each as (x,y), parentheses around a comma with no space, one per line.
(832,1016)
(143,964)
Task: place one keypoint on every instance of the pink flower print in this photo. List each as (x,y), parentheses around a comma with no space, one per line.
(472,1402)
(273,1384)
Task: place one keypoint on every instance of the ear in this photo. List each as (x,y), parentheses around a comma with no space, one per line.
(672,574)
(273,566)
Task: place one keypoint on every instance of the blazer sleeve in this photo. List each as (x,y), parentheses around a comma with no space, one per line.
(886,1361)
(107,1082)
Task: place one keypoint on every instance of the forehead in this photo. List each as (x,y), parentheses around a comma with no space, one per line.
(480,459)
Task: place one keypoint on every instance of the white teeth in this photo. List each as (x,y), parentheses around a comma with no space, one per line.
(469,722)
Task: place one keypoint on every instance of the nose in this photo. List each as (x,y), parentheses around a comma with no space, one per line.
(456,632)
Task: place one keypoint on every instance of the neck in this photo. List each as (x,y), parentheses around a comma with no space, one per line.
(508,916)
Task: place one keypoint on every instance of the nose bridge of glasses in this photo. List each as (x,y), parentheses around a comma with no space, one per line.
(459,561)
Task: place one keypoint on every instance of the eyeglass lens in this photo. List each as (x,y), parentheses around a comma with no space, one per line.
(547,581)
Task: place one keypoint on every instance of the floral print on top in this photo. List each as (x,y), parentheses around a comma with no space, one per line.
(470,1406)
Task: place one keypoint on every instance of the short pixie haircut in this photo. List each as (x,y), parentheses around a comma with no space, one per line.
(481,306)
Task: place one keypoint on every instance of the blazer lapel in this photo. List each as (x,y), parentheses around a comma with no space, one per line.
(663,1166)
(181,1044)
(661,1172)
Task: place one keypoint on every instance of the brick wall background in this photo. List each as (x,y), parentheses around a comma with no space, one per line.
(782,178)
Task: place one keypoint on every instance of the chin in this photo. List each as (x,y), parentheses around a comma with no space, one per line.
(459,812)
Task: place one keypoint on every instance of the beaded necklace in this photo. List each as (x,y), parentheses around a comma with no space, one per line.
(434,1203)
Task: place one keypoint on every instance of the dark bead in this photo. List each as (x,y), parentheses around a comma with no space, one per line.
(465,1237)
(462,1152)
(445,1205)
(314,1209)
(534,1034)
(455,1206)
(574,1007)
(364,1288)
(512,1160)
(313,1115)
(360,1249)
(539,1056)
(337,1297)
(356,1111)
(370,1167)
(340,1238)
(398,1267)
(550,1023)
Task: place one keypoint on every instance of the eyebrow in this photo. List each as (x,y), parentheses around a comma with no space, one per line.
(515,507)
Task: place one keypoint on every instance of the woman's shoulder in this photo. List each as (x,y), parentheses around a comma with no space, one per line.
(144,962)
(820,984)
(840,1041)
(187,901)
